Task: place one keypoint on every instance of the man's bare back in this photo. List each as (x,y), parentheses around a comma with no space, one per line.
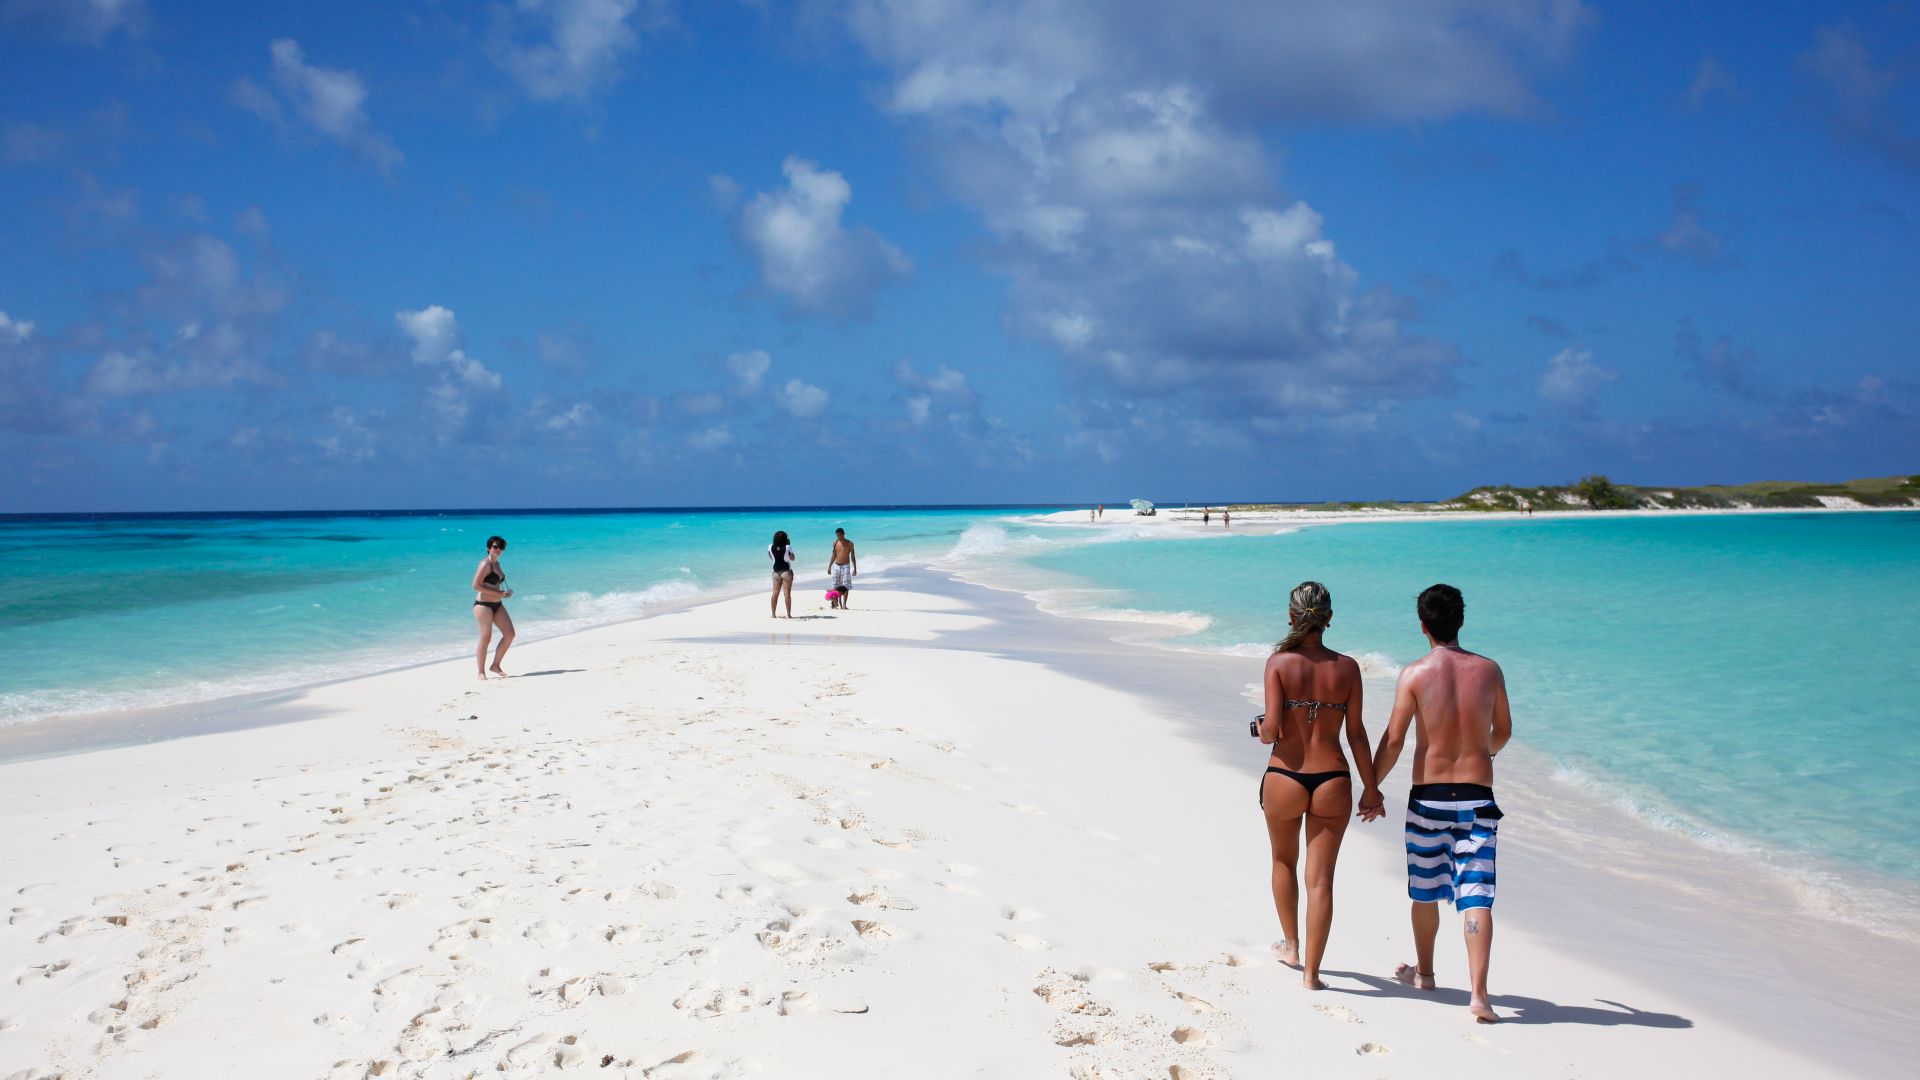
(1459,703)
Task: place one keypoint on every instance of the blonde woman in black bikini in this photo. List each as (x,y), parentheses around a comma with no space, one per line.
(1313,693)
(489,607)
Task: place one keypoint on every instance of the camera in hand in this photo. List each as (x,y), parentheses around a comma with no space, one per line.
(1253,725)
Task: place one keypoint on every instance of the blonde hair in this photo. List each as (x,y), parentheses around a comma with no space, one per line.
(1310,608)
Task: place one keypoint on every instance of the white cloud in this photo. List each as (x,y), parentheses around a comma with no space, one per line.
(579,49)
(330,100)
(710,439)
(1572,378)
(217,362)
(749,368)
(1138,220)
(576,417)
(805,254)
(437,343)
(801,399)
(90,21)
(14,330)
(919,408)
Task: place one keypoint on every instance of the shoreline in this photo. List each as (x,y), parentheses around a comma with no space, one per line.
(1182,694)
(1160,799)
(1267,519)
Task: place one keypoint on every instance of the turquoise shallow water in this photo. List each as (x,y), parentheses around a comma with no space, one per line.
(110,614)
(1739,678)
(1744,678)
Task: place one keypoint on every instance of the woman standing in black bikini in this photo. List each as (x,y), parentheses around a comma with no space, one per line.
(781,553)
(1312,693)
(489,610)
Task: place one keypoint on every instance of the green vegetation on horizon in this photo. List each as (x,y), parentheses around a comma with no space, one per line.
(1600,493)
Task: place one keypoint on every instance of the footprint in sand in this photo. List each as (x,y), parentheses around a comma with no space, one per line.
(1020,914)
(1371,1048)
(1192,1036)
(1339,1012)
(624,935)
(548,932)
(872,896)
(1026,941)
(795,1002)
(872,931)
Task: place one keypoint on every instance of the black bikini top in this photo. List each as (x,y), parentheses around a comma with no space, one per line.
(1314,707)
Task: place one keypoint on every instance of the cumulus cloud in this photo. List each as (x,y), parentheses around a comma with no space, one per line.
(14,331)
(1572,379)
(806,256)
(1113,151)
(800,399)
(1861,111)
(91,21)
(1340,59)
(569,49)
(437,342)
(332,101)
(749,368)
(710,439)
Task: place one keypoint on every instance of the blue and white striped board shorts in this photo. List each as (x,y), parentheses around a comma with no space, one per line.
(1451,830)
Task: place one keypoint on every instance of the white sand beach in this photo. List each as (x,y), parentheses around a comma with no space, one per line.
(882,842)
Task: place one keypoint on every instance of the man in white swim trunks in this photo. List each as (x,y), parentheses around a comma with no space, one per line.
(1458,699)
(843,568)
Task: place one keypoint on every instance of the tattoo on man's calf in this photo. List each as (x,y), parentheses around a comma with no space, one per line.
(1473,926)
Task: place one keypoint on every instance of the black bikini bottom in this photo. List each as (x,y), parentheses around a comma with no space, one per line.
(493,604)
(1309,780)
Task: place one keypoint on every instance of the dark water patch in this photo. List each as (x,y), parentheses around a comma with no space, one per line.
(79,596)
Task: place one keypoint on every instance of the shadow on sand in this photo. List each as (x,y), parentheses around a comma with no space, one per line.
(1513,1008)
(550,671)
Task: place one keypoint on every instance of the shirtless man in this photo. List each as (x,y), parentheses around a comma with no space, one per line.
(843,568)
(1458,700)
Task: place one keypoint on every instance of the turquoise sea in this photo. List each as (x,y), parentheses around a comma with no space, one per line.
(1745,679)
(1738,678)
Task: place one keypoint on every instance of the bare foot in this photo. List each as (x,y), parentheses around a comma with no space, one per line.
(483,676)
(1312,982)
(1287,953)
(1412,976)
(500,673)
(1482,1012)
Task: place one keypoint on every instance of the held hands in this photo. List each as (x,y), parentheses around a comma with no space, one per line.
(1372,804)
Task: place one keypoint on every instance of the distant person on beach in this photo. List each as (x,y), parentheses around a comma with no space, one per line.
(1206,516)
(1307,782)
(1099,510)
(1226,518)
(1458,702)
(844,566)
(781,553)
(489,607)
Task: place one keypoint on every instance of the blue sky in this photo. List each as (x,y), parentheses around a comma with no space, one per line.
(639,252)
